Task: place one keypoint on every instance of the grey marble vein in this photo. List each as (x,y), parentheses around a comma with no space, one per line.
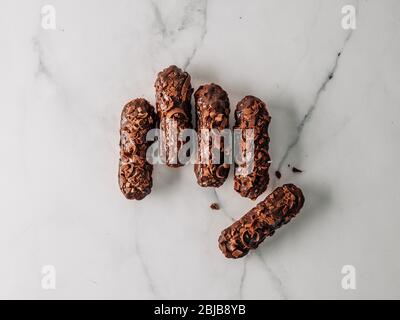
(242,279)
(194,16)
(159,19)
(218,200)
(277,282)
(41,68)
(203,10)
(316,100)
(144,265)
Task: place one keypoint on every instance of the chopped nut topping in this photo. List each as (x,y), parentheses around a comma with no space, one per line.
(173,94)
(252,113)
(212,105)
(135,173)
(262,221)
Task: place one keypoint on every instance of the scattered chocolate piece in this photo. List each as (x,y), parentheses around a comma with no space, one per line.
(212,106)
(278,174)
(262,221)
(295,170)
(173,94)
(135,173)
(252,113)
(215,206)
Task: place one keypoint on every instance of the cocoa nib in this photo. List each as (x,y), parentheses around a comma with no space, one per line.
(214,206)
(278,174)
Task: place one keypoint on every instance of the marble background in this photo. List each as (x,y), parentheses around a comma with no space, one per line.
(336,117)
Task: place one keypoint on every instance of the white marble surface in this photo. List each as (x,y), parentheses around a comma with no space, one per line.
(61,98)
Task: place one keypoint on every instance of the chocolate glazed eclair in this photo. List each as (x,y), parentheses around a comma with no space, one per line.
(135,173)
(173,94)
(212,115)
(251,113)
(250,231)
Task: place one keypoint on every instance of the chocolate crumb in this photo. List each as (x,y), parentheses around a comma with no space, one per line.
(215,206)
(295,170)
(278,174)
(331,76)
